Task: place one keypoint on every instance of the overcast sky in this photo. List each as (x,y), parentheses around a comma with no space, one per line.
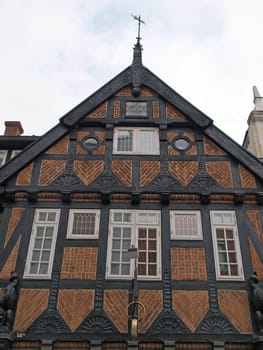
(55,53)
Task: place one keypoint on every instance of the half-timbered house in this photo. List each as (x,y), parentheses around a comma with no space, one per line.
(134,223)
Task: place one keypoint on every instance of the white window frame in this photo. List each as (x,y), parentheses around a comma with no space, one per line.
(15,152)
(36,224)
(70,235)
(136,149)
(3,155)
(231,226)
(173,225)
(134,225)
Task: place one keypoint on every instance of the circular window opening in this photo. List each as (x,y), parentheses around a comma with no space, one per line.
(181,144)
(90,143)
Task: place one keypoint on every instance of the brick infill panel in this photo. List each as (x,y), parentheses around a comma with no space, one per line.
(16,215)
(74,305)
(31,304)
(221,172)
(123,170)
(50,170)
(115,306)
(88,170)
(247,178)
(183,171)
(148,171)
(24,176)
(153,303)
(188,264)
(79,263)
(211,149)
(10,264)
(61,147)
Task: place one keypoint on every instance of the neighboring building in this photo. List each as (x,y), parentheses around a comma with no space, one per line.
(133,176)
(253,141)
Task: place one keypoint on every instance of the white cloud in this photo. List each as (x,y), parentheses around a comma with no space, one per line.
(56,53)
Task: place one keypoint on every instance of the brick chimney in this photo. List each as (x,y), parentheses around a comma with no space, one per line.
(13,128)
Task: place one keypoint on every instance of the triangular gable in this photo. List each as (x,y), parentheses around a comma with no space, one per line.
(99,98)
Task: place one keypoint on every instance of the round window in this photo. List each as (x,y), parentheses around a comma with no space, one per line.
(90,143)
(181,144)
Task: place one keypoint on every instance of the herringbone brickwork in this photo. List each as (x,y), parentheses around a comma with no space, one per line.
(100,112)
(115,306)
(172,113)
(31,304)
(10,264)
(221,172)
(79,263)
(257,264)
(74,305)
(50,170)
(254,218)
(247,178)
(188,264)
(153,302)
(156,110)
(88,170)
(61,147)
(71,345)
(191,306)
(148,171)
(24,176)
(183,171)
(234,304)
(211,149)
(116,109)
(123,170)
(16,215)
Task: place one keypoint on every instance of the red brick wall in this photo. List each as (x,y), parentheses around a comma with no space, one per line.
(123,170)
(221,172)
(115,306)
(24,176)
(50,170)
(247,178)
(88,170)
(148,171)
(153,302)
(183,171)
(61,147)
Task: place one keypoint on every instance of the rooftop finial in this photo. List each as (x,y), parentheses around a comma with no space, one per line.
(258,100)
(138,18)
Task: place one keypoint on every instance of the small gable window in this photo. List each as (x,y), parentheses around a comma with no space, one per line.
(83,223)
(181,143)
(90,143)
(185,225)
(136,141)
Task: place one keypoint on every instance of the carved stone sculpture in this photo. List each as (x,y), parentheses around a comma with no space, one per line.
(257,296)
(7,303)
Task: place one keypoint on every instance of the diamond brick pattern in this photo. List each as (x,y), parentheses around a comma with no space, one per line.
(88,170)
(221,172)
(234,304)
(123,170)
(188,264)
(115,306)
(100,112)
(257,264)
(153,302)
(211,149)
(190,306)
(15,217)
(10,263)
(74,305)
(31,304)
(61,147)
(24,176)
(247,178)
(148,171)
(50,170)
(183,171)
(79,263)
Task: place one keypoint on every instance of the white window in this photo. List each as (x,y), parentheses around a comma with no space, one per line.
(226,245)
(83,223)
(42,243)
(136,141)
(3,155)
(140,229)
(185,224)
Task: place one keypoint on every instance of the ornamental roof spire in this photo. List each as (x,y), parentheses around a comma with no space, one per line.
(258,100)
(137,60)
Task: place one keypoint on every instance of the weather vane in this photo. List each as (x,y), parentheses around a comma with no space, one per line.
(139,24)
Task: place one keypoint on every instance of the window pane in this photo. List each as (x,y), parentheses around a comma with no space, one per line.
(152,258)
(84,224)
(116,244)
(40,231)
(42,216)
(49,232)
(36,255)
(152,270)
(51,216)
(47,244)
(125,269)
(45,256)
(234,270)
(38,243)
(186,225)
(116,232)
(115,256)
(115,269)
(125,140)
(33,268)
(147,141)
(43,268)
(141,269)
